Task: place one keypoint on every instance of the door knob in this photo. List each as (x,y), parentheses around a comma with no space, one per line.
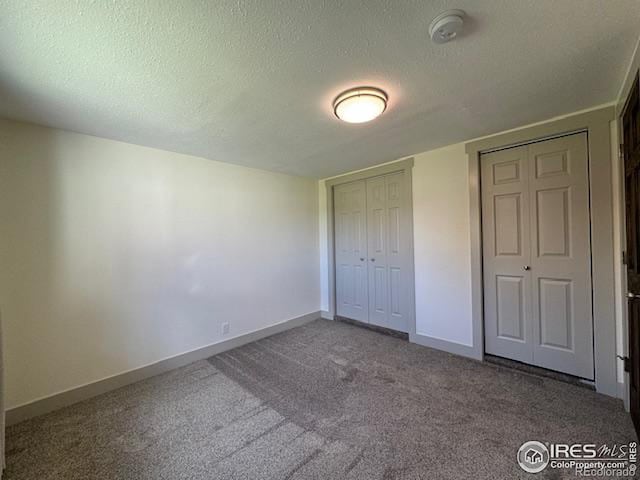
(633,295)
(362,259)
(526,267)
(373,259)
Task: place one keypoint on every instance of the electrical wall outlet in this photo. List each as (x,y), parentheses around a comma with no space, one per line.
(225,328)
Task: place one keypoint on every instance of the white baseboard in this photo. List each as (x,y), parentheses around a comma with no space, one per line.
(445,345)
(326,315)
(83,392)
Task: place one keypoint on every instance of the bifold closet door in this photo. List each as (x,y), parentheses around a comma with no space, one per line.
(350,217)
(537,255)
(387,230)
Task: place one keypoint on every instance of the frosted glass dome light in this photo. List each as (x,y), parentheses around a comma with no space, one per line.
(360,105)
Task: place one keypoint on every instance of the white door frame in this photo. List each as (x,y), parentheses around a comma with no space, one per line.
(597,125)
(405,166)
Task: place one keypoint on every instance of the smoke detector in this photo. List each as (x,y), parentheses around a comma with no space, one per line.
(446,26)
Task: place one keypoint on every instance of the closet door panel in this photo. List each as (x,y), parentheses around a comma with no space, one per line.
(561,255)
(389,252)
(506,235)
(377,241)
(398,253)
(352,289)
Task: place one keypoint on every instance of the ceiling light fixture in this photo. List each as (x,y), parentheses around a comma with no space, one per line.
(446,26)
(359,105)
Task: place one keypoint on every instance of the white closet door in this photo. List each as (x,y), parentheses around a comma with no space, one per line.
(506,235)
(537,255)
(560,256)
(389,256)
(351,251)
(377,242)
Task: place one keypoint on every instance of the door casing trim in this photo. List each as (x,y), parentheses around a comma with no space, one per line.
(405,166)
(619,169)
(597,125)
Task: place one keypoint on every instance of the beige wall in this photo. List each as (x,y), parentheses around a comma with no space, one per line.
(115,256)
(442,244)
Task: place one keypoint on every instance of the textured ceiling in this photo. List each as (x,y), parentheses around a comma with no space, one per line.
(252,82)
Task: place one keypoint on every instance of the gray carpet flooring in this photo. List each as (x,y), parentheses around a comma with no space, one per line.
(323,401)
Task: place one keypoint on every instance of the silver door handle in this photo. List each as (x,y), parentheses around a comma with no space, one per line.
(526,267)
(362,259)
(373,259)
(633,295)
